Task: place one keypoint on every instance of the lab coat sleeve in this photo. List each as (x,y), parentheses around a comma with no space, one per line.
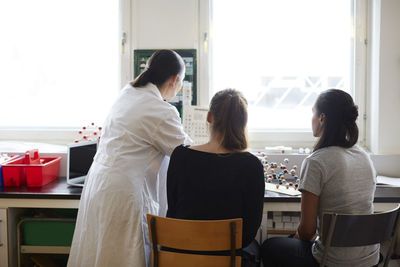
(169,133)
(162,187)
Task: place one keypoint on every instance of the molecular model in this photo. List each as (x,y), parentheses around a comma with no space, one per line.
(89,133)
(279,174)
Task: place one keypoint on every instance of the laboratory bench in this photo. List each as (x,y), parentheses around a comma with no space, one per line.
(14,204)
(58,195)
(386,198)
(383,194)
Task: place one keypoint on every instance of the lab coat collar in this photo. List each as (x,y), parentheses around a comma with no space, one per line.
(153,89)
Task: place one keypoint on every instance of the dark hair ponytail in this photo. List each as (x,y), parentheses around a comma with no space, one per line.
(339,127)
(229,110)
(160,67)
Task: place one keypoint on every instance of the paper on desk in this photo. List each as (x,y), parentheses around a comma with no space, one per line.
(395,181)
(282,189)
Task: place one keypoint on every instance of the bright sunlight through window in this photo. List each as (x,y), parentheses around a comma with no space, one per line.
(59,62)
(281,54)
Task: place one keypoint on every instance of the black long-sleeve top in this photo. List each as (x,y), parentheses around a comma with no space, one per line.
(208,186)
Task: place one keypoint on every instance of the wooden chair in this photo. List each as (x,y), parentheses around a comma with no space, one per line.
(194,235)
(343,230)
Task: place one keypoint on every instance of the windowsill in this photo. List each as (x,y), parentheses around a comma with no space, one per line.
(20,147)
(257,139)
(46,135)
(294,139)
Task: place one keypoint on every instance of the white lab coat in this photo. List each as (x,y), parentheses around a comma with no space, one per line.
(123,184)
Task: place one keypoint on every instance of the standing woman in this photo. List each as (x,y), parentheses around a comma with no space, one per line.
(122,184)
(337,177)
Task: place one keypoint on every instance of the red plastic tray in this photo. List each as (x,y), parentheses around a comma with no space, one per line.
(34,171)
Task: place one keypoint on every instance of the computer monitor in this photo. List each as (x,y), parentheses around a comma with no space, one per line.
(79,159)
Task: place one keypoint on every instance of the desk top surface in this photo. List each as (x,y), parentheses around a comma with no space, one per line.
(59,189)
(383,194)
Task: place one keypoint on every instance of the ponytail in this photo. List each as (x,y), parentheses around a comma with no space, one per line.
(143,79)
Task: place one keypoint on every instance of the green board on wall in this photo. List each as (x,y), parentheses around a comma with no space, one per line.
(189,56)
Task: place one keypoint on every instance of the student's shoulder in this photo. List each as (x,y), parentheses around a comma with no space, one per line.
(324,154)
(250,159)
(179,150)
(328,157)
(359,150)
(251,168)
(182,151)
(250,156)
(318,158)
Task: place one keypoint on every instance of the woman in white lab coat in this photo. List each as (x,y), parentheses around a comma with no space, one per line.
(122,184)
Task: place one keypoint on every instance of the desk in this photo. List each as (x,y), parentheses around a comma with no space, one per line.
(58,194)
(57,189)
(385,197)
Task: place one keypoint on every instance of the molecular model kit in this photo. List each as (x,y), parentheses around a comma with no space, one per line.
(278,177)
(90,132)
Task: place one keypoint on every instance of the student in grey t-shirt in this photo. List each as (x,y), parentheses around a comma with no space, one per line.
(337,177)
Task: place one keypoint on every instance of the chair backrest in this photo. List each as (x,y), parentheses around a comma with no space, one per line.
(351,230)
(359,230)
(194,235)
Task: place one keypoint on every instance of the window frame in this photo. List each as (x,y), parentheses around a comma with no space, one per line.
(64,135)
(294,138)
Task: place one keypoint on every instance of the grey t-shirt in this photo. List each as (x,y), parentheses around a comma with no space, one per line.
(344,179)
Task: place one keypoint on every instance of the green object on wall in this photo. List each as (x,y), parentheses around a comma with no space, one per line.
(189,56)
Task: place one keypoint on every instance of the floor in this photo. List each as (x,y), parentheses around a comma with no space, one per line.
(392,263)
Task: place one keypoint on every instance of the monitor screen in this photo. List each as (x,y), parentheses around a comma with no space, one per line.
(80,158)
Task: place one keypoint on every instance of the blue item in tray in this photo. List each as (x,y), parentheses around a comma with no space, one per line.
(1,177)
(3,159)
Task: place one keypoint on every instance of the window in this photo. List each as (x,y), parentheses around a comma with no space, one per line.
(281,54)
(59,62)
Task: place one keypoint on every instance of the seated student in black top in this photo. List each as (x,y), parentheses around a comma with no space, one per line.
(219,179)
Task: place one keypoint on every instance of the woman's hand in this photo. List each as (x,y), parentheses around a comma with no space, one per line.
(314,237)
(296,235)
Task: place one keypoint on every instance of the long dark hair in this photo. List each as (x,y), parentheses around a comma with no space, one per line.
(339,126)
(229,111)
(160,67)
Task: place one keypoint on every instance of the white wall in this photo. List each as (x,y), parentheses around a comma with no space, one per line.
(174,24)
(389,85)
(168,24)
(372,127)
(384,71)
